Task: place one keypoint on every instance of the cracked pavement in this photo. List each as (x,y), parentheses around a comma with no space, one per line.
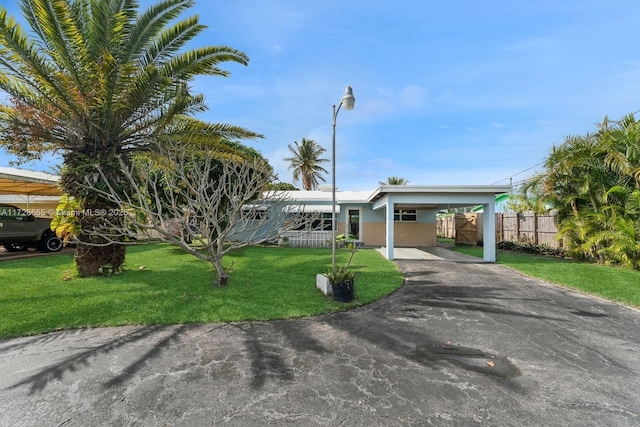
(463,343)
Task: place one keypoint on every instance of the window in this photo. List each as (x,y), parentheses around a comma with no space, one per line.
(255,215)
(326,222)
(255,212)
(321,223)
(405,215)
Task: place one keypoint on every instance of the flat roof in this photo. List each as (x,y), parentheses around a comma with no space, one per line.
(325,196)
(440,189)
(371,196)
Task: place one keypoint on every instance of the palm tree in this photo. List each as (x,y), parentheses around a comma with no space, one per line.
(305,163)
(573,176)
(593,181)
(394,180)
(96,80)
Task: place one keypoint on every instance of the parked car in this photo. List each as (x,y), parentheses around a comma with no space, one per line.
(20,230)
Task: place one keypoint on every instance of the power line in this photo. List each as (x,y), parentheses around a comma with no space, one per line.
(515,174)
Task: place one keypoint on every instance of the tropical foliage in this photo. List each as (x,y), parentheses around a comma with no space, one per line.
(594,183)
(395,180)
(281,186)
(65,220)
(305,162)
(97,80)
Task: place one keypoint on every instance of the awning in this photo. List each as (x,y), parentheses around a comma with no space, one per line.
(311,208)
(254,207)
(20,181)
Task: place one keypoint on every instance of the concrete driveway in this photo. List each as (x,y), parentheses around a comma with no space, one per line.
(463,343)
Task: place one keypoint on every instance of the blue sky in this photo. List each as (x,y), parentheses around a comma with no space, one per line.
(454,92)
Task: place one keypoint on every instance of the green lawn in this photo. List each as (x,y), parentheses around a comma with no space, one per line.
(163,285)
(612,283)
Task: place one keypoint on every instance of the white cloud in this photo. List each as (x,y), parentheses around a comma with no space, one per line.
(413,96)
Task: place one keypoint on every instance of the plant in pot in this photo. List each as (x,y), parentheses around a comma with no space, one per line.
(342,278)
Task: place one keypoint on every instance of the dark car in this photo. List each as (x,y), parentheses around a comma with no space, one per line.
(20,230)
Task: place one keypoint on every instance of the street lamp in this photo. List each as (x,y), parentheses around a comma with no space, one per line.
(348,101)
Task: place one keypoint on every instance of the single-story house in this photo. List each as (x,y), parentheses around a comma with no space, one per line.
(391,215)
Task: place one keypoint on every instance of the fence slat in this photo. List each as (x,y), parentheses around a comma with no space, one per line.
(513,227)
(308,239)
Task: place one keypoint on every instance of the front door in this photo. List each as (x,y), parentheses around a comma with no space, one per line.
(353,223)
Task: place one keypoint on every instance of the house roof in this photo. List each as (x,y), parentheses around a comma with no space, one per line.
(21,181)
(438,197)
(325,196)
(439,189)
(409,196)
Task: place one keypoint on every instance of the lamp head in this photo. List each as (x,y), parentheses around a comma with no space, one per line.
(348,100)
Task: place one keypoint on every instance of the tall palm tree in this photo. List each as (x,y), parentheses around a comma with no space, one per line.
(394,180)
(95,80)
(305,162)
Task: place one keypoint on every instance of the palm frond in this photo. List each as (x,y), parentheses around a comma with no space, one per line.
(151,23)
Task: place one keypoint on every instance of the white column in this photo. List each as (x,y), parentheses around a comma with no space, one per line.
(389,241)
(489,232)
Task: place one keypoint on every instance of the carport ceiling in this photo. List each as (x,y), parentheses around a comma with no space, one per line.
(409,206)
(20,181)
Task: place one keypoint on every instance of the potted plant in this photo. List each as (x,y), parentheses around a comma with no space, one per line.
(341,280)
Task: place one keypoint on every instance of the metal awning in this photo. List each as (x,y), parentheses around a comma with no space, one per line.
(254,207)
(311,208)
(20,181)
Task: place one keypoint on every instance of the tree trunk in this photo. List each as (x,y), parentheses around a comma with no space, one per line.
(81,165)
(223,276)
(89,257)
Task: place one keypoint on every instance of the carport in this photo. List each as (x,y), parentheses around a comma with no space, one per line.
(22,187)
(29,183)
(391,197)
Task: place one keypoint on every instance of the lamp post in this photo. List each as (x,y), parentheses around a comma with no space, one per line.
(348,101)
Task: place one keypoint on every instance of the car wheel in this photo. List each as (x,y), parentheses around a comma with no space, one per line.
(15,247)
(52,243)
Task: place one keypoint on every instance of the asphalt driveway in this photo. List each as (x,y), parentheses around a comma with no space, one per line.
(31,252)
(463,343)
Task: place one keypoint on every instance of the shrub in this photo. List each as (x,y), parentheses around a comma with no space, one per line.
(531,248)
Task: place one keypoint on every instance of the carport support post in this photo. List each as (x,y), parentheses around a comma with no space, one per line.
(390,227)
(489,232)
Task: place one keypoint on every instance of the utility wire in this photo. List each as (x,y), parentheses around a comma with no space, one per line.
(511,177)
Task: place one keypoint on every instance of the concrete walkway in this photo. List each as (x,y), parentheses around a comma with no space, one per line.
(463,343)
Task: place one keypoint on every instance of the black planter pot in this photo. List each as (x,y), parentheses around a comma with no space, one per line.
(343,292)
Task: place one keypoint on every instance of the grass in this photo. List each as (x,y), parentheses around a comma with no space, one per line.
(609,282)
(163,285)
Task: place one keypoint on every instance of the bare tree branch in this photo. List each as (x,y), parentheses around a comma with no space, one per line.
(206,202)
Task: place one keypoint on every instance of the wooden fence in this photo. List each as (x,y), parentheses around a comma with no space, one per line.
(466,228)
